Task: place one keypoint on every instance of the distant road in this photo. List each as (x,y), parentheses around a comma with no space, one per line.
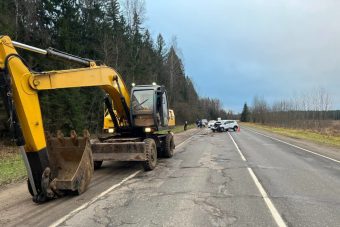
(214,179)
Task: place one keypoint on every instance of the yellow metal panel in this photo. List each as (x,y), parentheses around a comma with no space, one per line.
(25,86)
(83,77)
(102,76)
(25,98)
(172,120)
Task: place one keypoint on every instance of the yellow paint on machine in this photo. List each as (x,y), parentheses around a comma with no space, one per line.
(26,86)
(25,98)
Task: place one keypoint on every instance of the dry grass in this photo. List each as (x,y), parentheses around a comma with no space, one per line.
(333,128)
(180,128)
(326,137)
(12,167)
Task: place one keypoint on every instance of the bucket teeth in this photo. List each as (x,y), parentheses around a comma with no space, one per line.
(60,137)
(74,137)
(71,163)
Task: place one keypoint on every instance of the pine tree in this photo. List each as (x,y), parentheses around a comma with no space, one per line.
(99,30)
(160,46)
(245,115)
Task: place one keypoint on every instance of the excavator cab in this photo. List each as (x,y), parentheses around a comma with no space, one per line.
(149,108)
(149,111)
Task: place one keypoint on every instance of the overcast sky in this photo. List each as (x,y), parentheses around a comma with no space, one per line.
(237,49)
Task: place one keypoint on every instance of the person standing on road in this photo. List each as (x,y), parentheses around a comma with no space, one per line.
(185,125)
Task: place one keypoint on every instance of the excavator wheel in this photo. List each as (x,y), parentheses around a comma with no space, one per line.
(169,146)
(150,154)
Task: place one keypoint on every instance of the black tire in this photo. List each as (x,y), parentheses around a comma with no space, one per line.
(150,154)
(97,164)
(169,146)
(235,128)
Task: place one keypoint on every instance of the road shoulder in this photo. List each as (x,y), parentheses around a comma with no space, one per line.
(326,150)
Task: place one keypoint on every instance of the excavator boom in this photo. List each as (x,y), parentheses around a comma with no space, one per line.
(55,163)
(68,162)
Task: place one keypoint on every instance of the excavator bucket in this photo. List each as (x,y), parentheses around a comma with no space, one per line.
(71,161)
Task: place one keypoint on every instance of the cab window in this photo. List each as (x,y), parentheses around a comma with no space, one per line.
(142,101)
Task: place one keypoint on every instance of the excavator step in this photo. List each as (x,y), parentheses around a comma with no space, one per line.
(118,151)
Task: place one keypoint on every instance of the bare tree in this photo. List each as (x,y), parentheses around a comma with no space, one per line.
(132,7)
(307,110)
(259,110)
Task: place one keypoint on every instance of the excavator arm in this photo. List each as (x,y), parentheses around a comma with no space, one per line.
(23,86)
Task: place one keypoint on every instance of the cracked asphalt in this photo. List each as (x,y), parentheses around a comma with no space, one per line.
(17,208)
(206,183)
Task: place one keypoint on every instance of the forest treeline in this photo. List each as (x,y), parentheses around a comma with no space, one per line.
(108,31)
(311,110)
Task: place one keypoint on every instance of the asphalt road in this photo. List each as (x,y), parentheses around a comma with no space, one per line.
(17,208)
(214,179)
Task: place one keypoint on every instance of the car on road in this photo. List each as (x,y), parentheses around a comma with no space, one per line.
(211,123)
(230,124)
(217,126)
(224,125)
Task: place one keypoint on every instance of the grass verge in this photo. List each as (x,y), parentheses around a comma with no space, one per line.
(300,134)
(178,129)
(12,168)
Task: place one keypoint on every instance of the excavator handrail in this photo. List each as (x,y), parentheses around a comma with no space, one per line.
(54,53)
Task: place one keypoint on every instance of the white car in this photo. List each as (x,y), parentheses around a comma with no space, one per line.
(211,123)
(229,124)
(204,122)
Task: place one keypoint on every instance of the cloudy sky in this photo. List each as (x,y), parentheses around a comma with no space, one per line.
(236,49)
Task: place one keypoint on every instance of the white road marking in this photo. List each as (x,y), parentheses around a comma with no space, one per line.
(238,149)
(85,205)
(312,152)
(276,215)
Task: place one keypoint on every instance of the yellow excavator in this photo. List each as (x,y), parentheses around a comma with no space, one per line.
(137,125)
